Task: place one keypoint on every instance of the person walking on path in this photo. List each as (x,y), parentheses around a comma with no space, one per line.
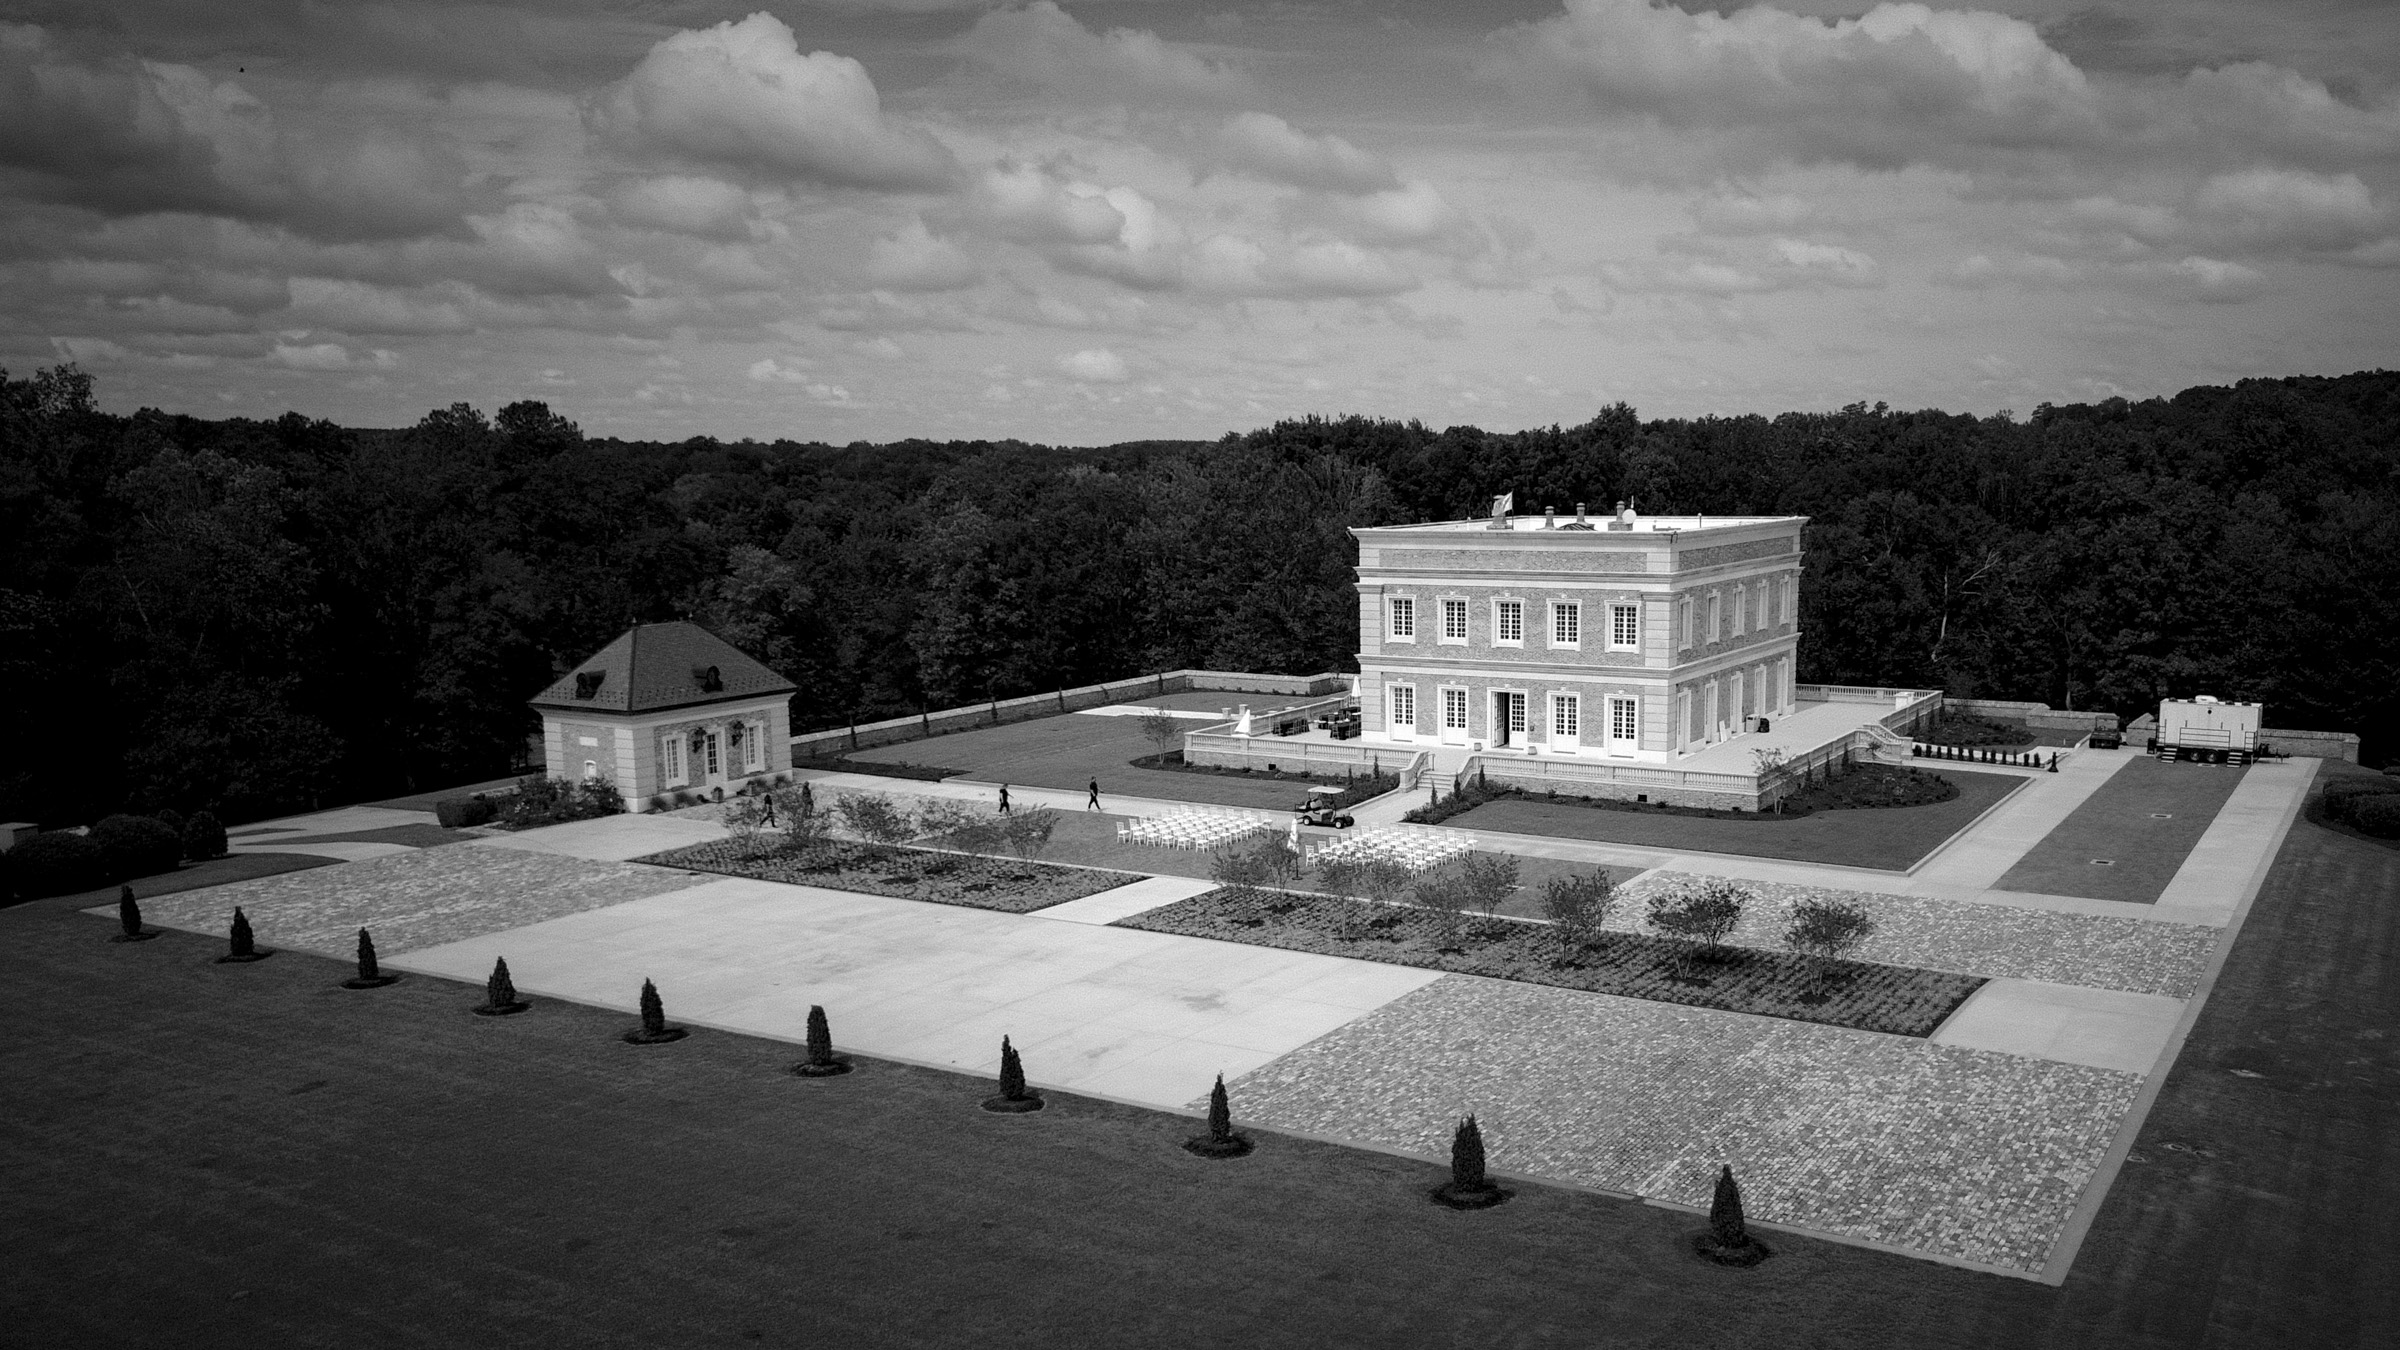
(1094,803)
(1004,799)
(770,799)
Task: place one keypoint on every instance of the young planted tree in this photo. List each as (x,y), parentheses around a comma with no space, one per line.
(129,918)
(1728,1241)
(1164,731)
(1238,869)
(244,948)
(1220,1141)
(500,993)
(1443,896)
(654,1029)
(1027,833)
(1339,876)
(821,1061)
(1769,765)
(1577,905)
(876,818)
(370,975)
(1468,1187)
(1702,912)
(1014,1097)
(744,818)
(1487,880)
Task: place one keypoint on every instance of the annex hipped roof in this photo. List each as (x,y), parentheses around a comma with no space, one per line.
(654,666)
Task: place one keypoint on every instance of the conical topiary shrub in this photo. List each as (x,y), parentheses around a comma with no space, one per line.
(1014,1098)
(1220,1141)
(1468,1186)
(129,919)
(244,947)
(1727,1241)
(654,1029)
(500,993)
(821,1061)
(370,975)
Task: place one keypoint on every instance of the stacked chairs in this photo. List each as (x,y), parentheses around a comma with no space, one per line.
(1417,848)
(1195,827)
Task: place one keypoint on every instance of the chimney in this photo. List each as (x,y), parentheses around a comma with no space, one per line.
(1624,520)
(1579,513)
(1549,518)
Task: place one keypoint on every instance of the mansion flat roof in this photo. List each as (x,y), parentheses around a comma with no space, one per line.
(1597,523)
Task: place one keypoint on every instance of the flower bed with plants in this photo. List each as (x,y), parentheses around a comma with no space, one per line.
(1862,995)
(1859,787)
(1011,885)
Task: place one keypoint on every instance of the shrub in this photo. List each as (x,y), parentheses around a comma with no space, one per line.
(368,969)
(1443,895)
(129,912)
(1237,867)
(875,817)
(459,813)
(1164,731)
(1577,904)
(1466,1157)
(555,801)
(1827,928)
(172,819)
(1704,911)
(1486,880)
(56,863)
(203,837)
(2378,816)
(136,846)
(2343,796)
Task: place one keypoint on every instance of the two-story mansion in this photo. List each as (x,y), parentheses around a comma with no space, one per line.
(1632,638)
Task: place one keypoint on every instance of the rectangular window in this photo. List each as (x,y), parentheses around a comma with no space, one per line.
(1773,604)
(1624,628)
(754,747)
(1791,600)
(1716,617)
(1566,624)
(1508,622)
(713,767)
(674,765)
(1454,621)
(1565,717)
(1404,707)
(1454,710)
(1404,620)
(1514,706)
(1624,719)
(1684,619)
(1741,610)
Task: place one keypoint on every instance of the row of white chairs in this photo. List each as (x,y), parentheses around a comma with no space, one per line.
(1418,848)
(1194,828)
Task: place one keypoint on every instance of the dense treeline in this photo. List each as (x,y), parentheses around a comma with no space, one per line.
(254,616)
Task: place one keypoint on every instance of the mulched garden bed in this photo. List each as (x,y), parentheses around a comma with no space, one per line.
(1950,727)
(1860,787)
(1004,884)
(923,773)
(1861,995)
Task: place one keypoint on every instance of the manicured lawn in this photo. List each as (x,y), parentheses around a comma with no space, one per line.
(192,876)
(203,1155)
(1007,884)
(1886,838)
(2144,820)
(415,836)
(1867,997)
(1070,750)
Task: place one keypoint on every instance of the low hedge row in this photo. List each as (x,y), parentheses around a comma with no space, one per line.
(2368,805)
(118,848)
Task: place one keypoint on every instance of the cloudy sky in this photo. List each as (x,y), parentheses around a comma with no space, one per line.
(1086,222)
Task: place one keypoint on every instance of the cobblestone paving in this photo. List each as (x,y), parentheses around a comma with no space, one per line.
(1959,1153)
(413,900)
(2134,955)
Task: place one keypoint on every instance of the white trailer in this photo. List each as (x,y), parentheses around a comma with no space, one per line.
(2207,729)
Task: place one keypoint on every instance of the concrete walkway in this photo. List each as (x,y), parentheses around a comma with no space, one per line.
(1146,1018)
(2071,1024)
(610,838)
(2231,859)
(1125,901)
(1983,854)
(260,836)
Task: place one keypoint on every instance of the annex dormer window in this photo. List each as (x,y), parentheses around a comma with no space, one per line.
(587,683)
(708,679)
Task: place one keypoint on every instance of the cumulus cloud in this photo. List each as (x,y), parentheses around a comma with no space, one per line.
(1095,365)
(2031,270)
(915,259)
(742,94)
(1042,44)
(708,208)
(1721,267)
(1830,262)
(328,356)
(1027,203)
(2199,278)
(2286,208)
(1268,147)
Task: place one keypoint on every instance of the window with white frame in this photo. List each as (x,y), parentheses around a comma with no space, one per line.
(675,772)
(591,770)
(1771,603)
(754,747)
(1716,617)
(1791,600)
(1624,628)
(1403,624)
(1741,610)
(1683,619)
(1454,621)
(1566,717)
(1566,624)
(711,739)
(1454,710)
(1508,623)
(1404,708)
(1624,719)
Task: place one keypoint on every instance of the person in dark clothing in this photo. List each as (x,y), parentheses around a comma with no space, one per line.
(770,797)
(1004,799)
(1094,803)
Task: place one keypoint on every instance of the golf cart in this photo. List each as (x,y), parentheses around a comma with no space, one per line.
(1318,809)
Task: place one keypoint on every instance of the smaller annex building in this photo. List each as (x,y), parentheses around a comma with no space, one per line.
(667,707)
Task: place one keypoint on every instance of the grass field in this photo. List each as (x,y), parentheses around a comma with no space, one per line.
(203,1155)
(2144,820)
(1889,839)
(1069,751)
